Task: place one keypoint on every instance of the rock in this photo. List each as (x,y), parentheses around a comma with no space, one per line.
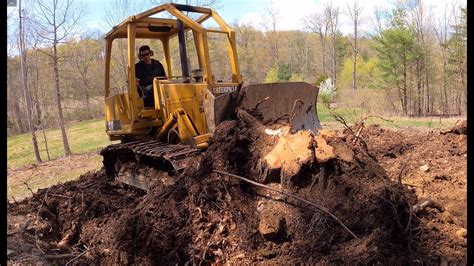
(10,252)
(461,233)
(272,223)
(425,168)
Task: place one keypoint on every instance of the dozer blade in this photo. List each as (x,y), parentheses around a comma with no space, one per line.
(125,161)
(295,99)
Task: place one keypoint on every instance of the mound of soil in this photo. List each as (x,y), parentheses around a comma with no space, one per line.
(434,165)
(338,205)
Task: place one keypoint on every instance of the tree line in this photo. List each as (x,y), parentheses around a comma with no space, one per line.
(411,63)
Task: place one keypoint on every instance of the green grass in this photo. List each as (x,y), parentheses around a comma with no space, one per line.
(82,137)
(351,116)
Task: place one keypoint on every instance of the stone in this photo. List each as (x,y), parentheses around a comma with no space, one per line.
(461,233)
(424,168)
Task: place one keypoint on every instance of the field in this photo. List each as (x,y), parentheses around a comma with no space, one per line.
(25,176)
(405,179)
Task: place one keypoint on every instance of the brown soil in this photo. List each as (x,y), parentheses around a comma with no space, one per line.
(402,194)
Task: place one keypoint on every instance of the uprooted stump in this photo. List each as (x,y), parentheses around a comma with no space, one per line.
(206,217)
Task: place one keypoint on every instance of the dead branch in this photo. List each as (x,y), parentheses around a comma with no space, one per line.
(359,130)
(382,118)
(37,215)
(340,119)
(78,256)
(28,187)
(14,200)
(61,256)
(289,195)
(292,115)
(276,119)
(60,196)
(260,102)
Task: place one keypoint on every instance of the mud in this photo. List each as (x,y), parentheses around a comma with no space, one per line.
(376,185)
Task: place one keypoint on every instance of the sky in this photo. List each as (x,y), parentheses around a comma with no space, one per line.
(253,12)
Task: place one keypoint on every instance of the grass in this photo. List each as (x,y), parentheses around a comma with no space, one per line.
(82,137)
(353,115)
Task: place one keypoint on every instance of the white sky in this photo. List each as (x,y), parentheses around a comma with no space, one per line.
(253,12)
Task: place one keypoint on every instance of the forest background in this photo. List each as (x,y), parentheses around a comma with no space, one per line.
(411,63)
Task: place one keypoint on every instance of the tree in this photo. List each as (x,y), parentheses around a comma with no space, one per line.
(354,14)
(272,35)
(395,48)
(318,24)
(55,21)
(284,72)
(457,57)
(441,30)
(24,83)
(331,14)
(85,66)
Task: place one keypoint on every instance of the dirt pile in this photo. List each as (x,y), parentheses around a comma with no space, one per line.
(208,217)
(434,165)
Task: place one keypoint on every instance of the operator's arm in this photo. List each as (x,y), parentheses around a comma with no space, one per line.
(159,70)
(140,74)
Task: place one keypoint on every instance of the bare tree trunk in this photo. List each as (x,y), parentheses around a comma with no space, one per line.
(67,150)
(87,98)
(26,95)
(419,89)
(405,94)
(355,15)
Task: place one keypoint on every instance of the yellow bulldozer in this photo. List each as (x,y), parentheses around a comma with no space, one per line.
(186,107)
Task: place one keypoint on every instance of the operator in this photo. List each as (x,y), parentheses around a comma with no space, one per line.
(147,69)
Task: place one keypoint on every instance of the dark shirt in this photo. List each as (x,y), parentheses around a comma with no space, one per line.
(146,72)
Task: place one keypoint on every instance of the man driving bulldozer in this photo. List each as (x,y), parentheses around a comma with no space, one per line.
(145,71)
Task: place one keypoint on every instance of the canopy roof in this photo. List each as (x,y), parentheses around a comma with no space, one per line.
(147,26)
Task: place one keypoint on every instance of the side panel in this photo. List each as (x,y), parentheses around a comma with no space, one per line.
(117,115)
(189,97)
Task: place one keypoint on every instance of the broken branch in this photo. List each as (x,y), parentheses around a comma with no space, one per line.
(289,195)
(61,256)
(28,187)
(260,102)
(78,256)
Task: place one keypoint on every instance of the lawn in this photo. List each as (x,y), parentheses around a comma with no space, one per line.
(83,136)
(352,116)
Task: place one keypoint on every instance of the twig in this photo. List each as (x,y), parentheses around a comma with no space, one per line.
(78,256)
(260,102)
(292,115)
(341,120)
(14,199)
(205,251)
(37,215)
(384,119)
(28,187)
(278,118)
(61,256)
(61,196)
(290,195)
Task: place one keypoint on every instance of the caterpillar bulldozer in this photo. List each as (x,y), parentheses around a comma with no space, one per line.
(167,131)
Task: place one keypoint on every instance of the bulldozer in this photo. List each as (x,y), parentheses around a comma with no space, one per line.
(168,130)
